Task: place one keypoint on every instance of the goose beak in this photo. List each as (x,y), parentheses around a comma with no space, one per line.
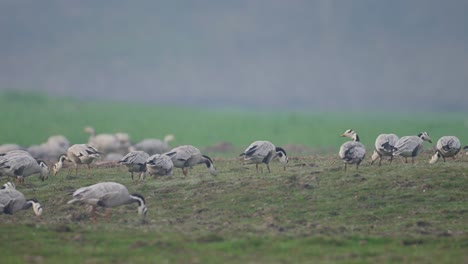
(430,141)
(342,135)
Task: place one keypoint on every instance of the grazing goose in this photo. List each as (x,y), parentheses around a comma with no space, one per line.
(159,165)
(153,146)
(447,146)
(9,147)
(384,146)
(411,146)
(135,162)
(187,156)
(78,154)
(264,152)
(352,152)
(108,195)
(20,164)
(12,201)
(50,150)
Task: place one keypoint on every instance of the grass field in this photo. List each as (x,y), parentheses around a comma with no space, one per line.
(32,118)
(313,212)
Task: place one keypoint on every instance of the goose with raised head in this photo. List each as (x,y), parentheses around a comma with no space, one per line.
(384,147)
(108,195)
(411,146)
(187,156)
(446,147)
(78,154)
(264,152)
(12,201)
(19,164)
(352,152)
(159,165)
(135,162)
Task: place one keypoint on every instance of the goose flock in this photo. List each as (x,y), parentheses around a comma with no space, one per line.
(157,159)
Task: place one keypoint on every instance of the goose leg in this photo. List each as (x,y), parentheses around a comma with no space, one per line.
(380,161)
(107,214)
(89,169)
(184,171)
(132,175)
(391,159)
(444,158)
(76,170)
(256,166)
(268,167)
(94,215)
(406,160)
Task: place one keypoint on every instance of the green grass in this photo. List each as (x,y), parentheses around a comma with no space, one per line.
(312,212)
(32,118)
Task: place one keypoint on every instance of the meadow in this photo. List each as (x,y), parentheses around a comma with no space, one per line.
(312,212)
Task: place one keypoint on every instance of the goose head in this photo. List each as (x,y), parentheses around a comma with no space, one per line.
(435,157)
(351,134)
(57,166)
(282,156)
(425,136)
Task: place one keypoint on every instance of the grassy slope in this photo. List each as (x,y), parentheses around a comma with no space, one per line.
(312,212)
(32,118)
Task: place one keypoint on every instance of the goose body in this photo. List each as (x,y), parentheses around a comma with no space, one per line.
(12,201)
(188,156)
(159,165)
(108,195)
(447,146)
(352,152)
(264,152)
(135,162)
(78,154)
(20,164)
(108,143)
(384,146)
(411,146)
(153,146)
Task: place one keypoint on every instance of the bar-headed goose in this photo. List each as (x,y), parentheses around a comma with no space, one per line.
(135,162)
(187,156)
(108,195)
(352,152)
(159,165)
(19,164)
(447,146)
(264,152)
(12,201)
(411,146)
(78,154)
(384,146)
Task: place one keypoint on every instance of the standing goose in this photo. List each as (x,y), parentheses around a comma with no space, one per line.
(447,146)
(20,164)
(384,146)
(187,156)
(264,152)
(12,201)
(411,146)
(135,162)
(159,165)
(352,152)
(78,154)
(108,195)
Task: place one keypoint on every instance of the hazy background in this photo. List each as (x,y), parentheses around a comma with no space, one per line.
(326,55)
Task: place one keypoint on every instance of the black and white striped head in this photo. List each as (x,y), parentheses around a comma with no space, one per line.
(44,168)
(435,157)
(351,134)
(57,166)
(425,136)
(142,210)
(210,165)
(9,186)
(282,156)
(36,206)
